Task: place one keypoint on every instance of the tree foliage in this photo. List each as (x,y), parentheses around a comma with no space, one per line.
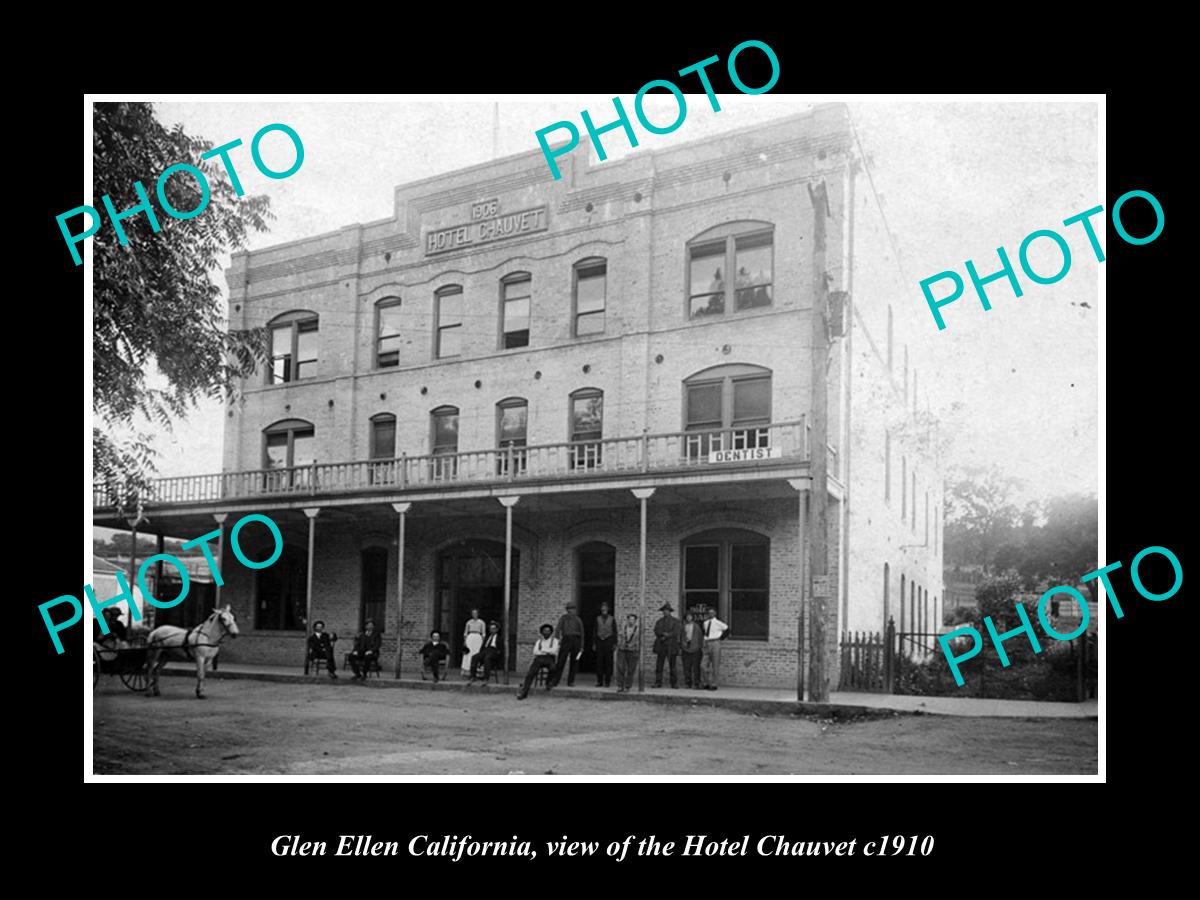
(155,302)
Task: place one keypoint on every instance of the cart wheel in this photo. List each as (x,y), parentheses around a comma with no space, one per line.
(95,668)
(135,681)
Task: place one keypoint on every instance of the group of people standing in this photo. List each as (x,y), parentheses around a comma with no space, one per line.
(698,642)
(697,639)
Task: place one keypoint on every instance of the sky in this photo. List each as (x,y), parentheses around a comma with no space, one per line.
(1017,386)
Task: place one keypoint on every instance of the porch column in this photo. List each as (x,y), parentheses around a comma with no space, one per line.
(133,535)
(802,486)
(402,509)
(311,512)
(220,519)
(510,649)
(642,494)
(158,549)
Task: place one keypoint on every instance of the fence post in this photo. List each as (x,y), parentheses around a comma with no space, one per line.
(1080,659)
(889,641)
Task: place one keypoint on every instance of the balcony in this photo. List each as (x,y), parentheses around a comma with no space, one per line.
(780,444)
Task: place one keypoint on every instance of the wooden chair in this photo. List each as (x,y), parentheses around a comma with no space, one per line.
(373,667)
(425,670)
(316,662)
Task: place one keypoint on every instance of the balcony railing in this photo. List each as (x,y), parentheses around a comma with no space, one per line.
(686,450)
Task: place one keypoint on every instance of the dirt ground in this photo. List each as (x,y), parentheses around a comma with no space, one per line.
(253,727)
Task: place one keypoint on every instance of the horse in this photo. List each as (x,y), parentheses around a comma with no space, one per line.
(202,643)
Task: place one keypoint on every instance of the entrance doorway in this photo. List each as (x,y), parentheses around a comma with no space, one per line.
(595,583)
(471,576)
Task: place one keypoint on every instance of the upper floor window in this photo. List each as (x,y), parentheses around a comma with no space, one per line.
(383,447)
(735,398)
(591,278)
(387,333)
(445,442)
(516,291)
(287,446)
(449,304)
(744,248)
(293,346)
(587,427)
(512,420)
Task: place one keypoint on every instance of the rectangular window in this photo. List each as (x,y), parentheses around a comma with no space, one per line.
(383,447)
(445,444)
(374,587)
(751,406)
(516,313)
(449,323)
(306,349)
(387,341)
(748,591)
(701,585)
(707,281)
(754,259)
(587,425)
(590,289)
(703,413)
(279,593)
(281,354)
(511,427)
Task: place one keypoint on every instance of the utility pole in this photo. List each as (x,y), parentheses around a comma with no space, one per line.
(818,682)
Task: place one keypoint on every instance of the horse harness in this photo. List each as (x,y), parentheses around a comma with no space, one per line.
(187,645)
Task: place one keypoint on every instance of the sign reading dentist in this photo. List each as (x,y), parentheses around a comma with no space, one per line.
(749,453)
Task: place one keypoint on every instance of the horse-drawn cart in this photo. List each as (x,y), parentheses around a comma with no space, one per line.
(127,662)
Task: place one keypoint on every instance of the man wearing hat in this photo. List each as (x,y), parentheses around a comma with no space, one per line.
(545,650)
(667,631)
(570,635)
(320,647)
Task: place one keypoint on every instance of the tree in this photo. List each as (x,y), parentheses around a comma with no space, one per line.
(155,304)
(981,514)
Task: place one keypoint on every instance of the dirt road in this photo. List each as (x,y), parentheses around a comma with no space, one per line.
(252,727)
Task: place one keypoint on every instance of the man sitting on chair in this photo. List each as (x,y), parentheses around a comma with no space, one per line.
(545,656)
(489,654)
(434,653)
(320,646)
(366,651)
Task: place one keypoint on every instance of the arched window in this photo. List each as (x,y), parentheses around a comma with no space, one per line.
(587,428)
(729,570)
(512,420)
(448,303)
(289,450)
(516,292)
(293,346)
(590,293)
(383,447)
(387,333)
(729,407)
(444,422)
(743,248)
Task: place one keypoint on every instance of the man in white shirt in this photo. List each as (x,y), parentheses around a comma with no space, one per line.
(715,631)
(545,656)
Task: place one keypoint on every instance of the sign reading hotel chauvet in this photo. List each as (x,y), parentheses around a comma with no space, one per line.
(487,225)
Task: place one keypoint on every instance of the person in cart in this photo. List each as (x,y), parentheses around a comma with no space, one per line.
(117,637)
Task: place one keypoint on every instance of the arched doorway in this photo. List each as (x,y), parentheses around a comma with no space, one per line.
(471,576)
(595,583)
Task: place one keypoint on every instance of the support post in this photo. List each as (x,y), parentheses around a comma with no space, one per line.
(220,517)
(311,512)
(803,486)
(402,509)
(133,535)
(642,494)
(510,645)
(818,685)
(158,549)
